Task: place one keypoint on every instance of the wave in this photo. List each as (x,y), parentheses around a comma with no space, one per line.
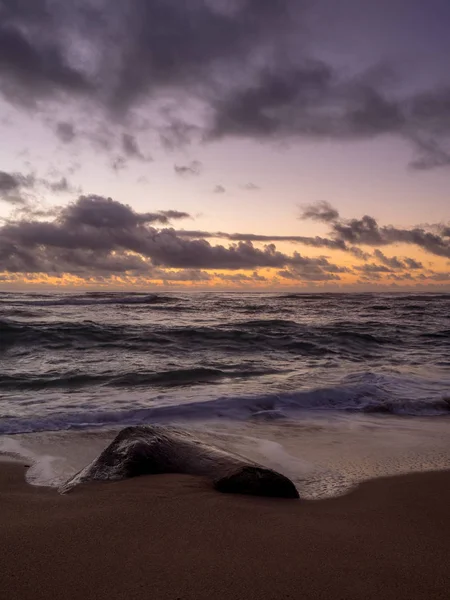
(358,393)
(173,378)
(100,299)
(351,339)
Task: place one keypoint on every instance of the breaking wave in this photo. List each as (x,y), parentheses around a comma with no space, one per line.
(358,393)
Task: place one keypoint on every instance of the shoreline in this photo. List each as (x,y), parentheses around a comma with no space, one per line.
(173,536)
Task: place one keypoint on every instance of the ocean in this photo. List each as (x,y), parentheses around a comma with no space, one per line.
(330,389)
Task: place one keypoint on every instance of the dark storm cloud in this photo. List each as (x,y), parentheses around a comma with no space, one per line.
(103,234)
(137,46)
(191,170)
(247,63)
(367,232)
(101,212)
(30,62)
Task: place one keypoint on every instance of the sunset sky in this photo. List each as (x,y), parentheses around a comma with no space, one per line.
(225,144)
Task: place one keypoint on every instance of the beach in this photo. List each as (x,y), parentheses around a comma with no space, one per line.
(174,537)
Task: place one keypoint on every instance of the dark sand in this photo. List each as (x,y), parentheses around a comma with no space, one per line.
(170,536)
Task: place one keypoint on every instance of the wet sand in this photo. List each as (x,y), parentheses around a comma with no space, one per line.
(173,537)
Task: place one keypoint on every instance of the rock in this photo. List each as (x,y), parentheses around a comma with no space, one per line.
(156,449)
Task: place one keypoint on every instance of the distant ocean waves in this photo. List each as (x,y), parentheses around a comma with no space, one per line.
(344,337)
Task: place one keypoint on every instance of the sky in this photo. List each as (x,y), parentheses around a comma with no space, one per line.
(225,144)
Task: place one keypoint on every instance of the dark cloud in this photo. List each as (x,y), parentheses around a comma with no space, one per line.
(391,262)
(14,188)
(61,186)
(137,47)
(191,170)
(397,264)
(8,183)
(371,268)
(20,190)
(30,62)
(412,264)
(358,253)
(315,242)
(367,232)
(321,211)
(106,213)
(176,133)
(245,64)
(219,189)
(104,235)
(438,276)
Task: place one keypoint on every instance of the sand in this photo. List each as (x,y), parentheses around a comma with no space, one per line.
(173,537)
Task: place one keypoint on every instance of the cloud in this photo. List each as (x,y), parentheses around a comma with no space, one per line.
(20,190)
(438,276)
(358,253)
(430,154)
(32,65)
(312,269)
(245,66)
(321,211)
(371,268)
(97,234)
(251,187)
(61,185)
(367,232)
(241,278)
(65,131)
(12,186)
(391,262)
(106,213)
(413,264)
(315,242)
(397,264)
(119,163)
(219,189)
(191,170)
(131,148)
